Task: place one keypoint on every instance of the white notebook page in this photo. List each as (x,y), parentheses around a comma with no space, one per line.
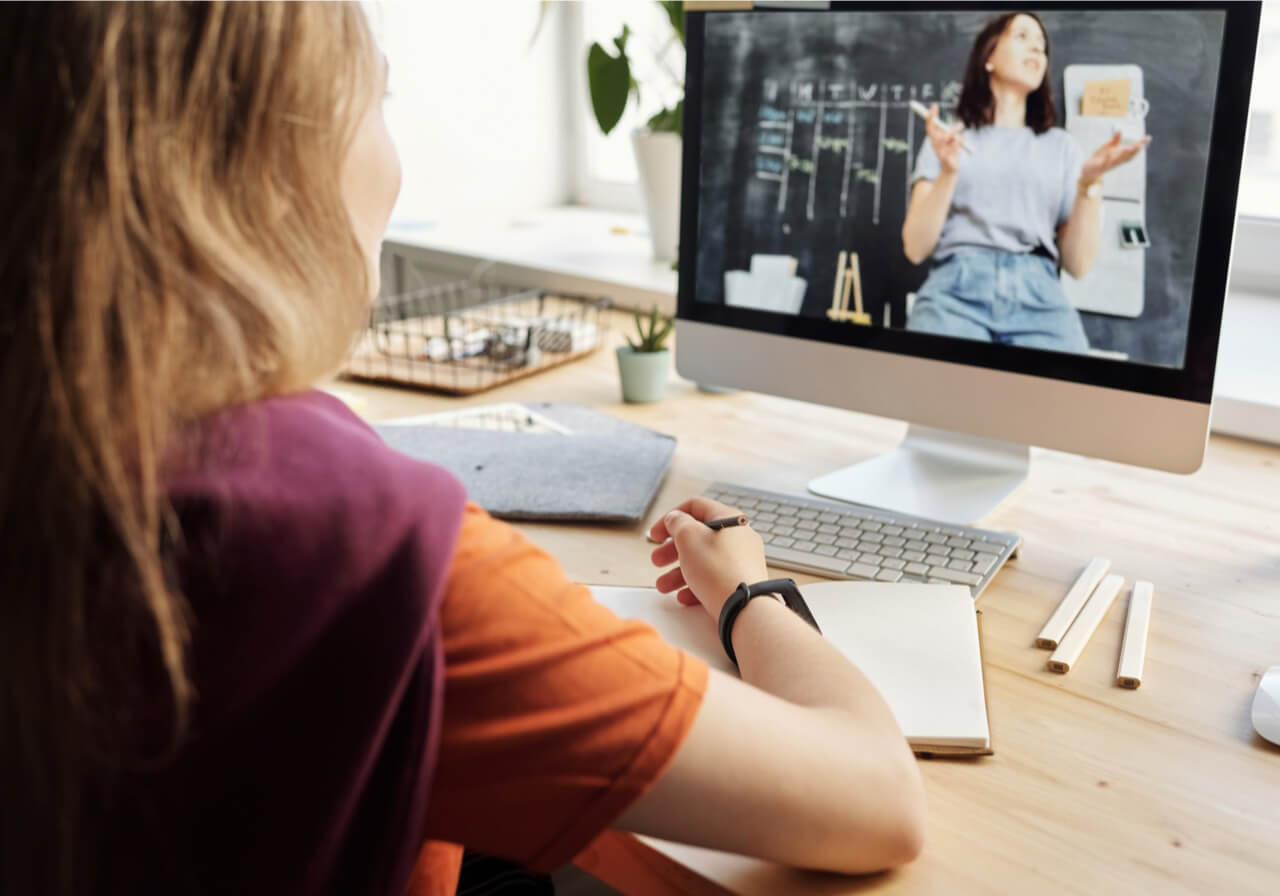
(918,644)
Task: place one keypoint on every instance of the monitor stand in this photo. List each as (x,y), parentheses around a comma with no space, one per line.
(934,473)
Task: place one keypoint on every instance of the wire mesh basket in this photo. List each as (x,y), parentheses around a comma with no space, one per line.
(467,336)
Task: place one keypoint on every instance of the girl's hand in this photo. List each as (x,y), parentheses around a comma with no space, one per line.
(710,564)
(1110,155)
(946,141)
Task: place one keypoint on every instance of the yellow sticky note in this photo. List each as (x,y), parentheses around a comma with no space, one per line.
(1110,98)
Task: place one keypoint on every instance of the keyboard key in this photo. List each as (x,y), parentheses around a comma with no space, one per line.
(869,547)
(823,538)
(811,525)
(828,517)
(808,514)
(912,556)
(933,558)
(893,541)
(889,552)
(961,554)
(874,537)
(788,520)
(802,545)
(870,559)
(851,556)
(987,547)
(827,527)
(888,575)
(915,544)
(870,525)
(891,530)
(862,571)
(890,563)
(825,550)
(962,565)
(780,541)
(957,542)
(850,531)
(916,569)
(982,563)
(767,505)
(954,575)
(784,556)
(847,542)
(935,538)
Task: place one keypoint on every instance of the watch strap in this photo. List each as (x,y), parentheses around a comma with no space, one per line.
(784,588)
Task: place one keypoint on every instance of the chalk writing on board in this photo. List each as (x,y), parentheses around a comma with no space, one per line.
(803,126)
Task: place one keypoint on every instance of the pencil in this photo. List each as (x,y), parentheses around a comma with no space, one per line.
(1086,623)
(726,522)
(919,108)
(1061,619)
(1133,649)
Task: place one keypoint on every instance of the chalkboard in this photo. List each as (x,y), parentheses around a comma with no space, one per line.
(808,144)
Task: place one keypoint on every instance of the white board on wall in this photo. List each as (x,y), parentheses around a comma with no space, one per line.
(1116,284)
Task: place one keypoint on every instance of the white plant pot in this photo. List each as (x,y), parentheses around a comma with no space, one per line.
(643,374)
(658,161)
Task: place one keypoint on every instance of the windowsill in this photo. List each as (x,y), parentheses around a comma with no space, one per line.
(596,252)
(579,250)
(1246,387)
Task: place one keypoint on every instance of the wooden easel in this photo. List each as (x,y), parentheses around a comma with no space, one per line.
(847,277)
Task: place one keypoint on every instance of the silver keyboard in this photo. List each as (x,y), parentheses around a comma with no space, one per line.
(850,541)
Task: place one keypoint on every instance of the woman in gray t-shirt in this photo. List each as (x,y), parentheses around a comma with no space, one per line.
(1003,199)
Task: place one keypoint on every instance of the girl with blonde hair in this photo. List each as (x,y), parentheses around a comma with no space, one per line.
(244,646)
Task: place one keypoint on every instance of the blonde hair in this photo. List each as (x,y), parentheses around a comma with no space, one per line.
(174,241)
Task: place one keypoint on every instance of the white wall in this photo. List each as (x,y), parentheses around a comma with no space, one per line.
(478,114)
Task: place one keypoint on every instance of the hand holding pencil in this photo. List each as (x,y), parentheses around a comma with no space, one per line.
(710,561)
(947,141)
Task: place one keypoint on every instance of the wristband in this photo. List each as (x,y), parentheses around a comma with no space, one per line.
(784,588)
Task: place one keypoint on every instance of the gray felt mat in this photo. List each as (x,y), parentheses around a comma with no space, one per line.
(607,471)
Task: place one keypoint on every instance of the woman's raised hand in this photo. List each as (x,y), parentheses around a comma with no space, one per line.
(945,140)
(1109,155)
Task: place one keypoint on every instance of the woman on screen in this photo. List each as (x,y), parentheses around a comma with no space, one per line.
(1002,200)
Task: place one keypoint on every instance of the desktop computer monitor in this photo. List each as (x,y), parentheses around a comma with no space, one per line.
(1041,276)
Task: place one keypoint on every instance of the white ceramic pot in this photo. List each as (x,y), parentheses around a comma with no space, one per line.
(658,161)
(643,374)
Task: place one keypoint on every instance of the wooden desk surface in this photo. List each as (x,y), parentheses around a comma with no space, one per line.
(1092,788)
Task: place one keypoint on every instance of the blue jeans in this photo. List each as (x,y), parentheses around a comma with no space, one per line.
(997,296)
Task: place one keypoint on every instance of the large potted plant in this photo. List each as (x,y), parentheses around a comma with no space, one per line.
(643,362)
(657,145)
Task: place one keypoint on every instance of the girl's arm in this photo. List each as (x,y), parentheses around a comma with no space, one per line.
(930,203)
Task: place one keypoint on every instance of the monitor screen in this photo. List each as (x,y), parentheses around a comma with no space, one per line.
(1029,191)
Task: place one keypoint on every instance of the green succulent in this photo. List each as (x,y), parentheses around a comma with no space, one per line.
(653,331)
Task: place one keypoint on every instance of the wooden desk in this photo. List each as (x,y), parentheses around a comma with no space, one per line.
(1092,788)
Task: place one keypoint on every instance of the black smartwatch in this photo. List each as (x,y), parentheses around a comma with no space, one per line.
(784,588)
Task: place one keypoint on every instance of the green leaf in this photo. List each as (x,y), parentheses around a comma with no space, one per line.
(543,8)
(668,120)
(660,341)
(609,81)
(621,40)
(675,12)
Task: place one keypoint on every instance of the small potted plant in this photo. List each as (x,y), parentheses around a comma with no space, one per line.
(644,361)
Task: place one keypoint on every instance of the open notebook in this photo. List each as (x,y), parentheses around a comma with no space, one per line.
(918,644)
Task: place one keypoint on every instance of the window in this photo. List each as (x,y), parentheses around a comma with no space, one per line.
(607,175)
(1260,181)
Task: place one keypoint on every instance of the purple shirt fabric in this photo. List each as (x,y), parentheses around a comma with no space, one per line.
(314,560)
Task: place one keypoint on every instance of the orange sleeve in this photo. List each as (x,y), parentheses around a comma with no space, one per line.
(557,714)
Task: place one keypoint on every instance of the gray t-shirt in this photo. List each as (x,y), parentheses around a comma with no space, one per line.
(1012,192)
